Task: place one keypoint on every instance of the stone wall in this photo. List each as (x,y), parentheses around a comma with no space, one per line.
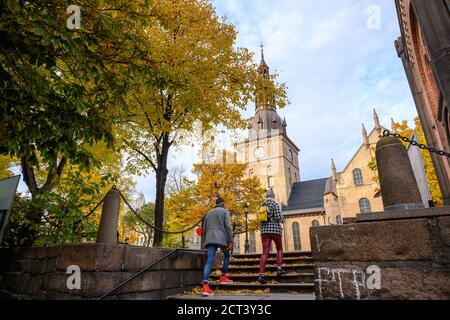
(41,273)
(389,259)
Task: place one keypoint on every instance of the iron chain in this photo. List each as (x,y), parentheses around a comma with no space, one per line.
(387,133)
(151,225)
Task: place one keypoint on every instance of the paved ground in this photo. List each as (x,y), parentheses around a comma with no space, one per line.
(255,297)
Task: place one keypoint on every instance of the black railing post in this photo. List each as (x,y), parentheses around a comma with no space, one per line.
(247,243)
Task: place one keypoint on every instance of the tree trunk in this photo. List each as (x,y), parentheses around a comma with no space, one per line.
(161,179)
(35,215)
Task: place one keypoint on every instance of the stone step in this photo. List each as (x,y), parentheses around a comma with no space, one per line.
(273,287)
(246,297)
(271,261)
(288,278)
(305,267)
(273,255)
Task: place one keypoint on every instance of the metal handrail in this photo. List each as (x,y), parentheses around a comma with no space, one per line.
(144,270)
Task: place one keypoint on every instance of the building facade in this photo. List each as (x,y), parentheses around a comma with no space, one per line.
(356,185)
(424,49)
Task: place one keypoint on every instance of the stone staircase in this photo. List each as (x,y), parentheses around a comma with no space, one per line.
(244,271)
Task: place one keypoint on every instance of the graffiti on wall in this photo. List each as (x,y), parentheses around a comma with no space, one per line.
(350,283)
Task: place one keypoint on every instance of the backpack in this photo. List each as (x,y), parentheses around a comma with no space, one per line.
(263,213)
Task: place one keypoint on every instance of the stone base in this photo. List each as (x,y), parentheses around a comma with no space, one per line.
(387,259)
(41,273)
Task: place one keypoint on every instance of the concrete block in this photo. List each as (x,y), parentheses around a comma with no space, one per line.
(375,241)
(138,258)
(92,257)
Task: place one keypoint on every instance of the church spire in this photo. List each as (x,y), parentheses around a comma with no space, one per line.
(264,100)
(262,51)
(376,119)
(333,170)
(263,68)
(393,128)
(365,136)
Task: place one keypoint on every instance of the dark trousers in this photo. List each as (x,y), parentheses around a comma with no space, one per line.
(212,250)
(266,240)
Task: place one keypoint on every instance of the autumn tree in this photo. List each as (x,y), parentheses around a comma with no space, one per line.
(197,74)
(62,90)
(69,215)
(139,227)
(197,197)
(403,129)
(228,180)
(5,167)
(176,180)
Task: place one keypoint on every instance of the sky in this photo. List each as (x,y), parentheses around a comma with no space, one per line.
(338,61)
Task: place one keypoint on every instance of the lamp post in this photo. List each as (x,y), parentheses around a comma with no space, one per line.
(235,215)
(247,244)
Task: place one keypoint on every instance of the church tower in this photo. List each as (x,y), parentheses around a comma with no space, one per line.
(268,152)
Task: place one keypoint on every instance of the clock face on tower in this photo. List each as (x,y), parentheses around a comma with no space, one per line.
(260,153)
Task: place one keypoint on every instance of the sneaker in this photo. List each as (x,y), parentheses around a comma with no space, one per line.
(262,280)
(207,292)
(225,280)
(281,272)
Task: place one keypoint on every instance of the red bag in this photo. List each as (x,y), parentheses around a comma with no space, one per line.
(199,231)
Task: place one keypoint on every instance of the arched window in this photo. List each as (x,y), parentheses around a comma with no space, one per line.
(330,221)
(338,220)
(237,244)
(295,175)
(270,181)
(364,206)
(357,177)
(290,176)
(296,236)
(316,223)
(251,173)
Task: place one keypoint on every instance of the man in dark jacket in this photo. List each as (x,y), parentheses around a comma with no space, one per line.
(217,233)
(271,231)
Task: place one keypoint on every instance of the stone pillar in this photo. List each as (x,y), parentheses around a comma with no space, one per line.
(398,184)
(107,232)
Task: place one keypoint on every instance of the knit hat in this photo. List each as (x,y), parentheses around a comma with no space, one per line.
(219,202)
(270,194)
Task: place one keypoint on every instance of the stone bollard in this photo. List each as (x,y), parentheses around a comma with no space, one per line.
(398,184)
(107,232)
